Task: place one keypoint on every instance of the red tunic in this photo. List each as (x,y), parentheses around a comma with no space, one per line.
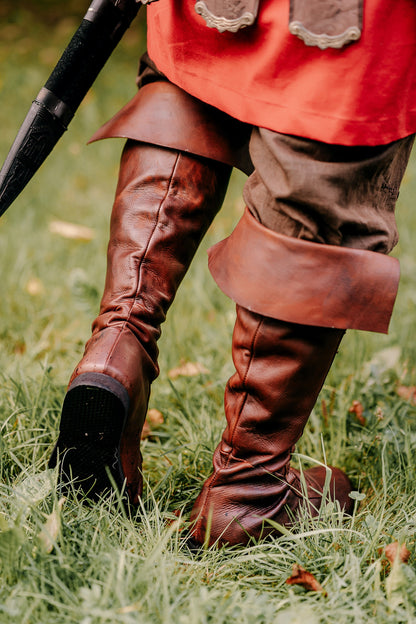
(363,94)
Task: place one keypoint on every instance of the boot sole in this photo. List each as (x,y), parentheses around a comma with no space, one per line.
(88,446)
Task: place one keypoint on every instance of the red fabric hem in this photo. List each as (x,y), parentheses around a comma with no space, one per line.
(364,94)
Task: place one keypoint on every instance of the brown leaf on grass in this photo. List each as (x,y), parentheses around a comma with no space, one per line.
(155,417)
(170,521)
(19,347)
(71,230)
(397,581)
(50,530)
(357,409)
(407,392)
(34,287)
(187,369)
(392,551)
(146,431)
(305,579)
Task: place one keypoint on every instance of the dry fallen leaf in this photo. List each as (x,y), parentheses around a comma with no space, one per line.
(50,530)
(34,287)
(397,582)
(407,392)
(305,579)
(187,369)
(19,347)
(71,230)
(146,431)
(391,552)
(357,409)
(170,521)
(155,417)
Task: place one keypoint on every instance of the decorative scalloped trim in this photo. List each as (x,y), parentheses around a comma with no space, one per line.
(222,23)
(324,41)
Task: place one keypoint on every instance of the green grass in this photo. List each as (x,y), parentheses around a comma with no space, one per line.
(103,565)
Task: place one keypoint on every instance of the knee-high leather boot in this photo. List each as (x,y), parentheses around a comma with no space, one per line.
(280,369)
(165,201)
(302,297)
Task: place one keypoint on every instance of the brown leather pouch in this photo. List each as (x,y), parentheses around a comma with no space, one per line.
(326,23)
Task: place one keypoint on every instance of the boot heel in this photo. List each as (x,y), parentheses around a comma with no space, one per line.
(88,445)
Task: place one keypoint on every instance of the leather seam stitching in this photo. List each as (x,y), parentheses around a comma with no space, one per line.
(215,475)
(159,210)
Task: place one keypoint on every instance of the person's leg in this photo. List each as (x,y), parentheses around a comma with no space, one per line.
(295,297)
(166,199)
(332,194)
(165,202)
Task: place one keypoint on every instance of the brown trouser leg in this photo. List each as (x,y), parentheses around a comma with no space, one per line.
(333,194)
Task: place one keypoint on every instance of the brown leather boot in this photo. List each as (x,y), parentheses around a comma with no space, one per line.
(316,291)
(165,201)
(280,369)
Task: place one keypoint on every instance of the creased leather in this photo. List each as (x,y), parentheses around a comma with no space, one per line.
(280,369)
(165,201)
(303,282)
(163,114)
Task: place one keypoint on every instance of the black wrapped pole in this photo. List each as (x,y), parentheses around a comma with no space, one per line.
(92,44)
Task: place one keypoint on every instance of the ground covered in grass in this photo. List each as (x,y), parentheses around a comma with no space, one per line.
(70,561)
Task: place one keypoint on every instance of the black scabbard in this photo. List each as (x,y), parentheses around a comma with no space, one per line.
(90,47)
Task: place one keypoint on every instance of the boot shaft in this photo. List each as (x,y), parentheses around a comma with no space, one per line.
(280,370)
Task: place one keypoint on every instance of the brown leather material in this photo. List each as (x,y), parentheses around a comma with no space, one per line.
(303,282)
(163,114)
(165,202)
(280,369)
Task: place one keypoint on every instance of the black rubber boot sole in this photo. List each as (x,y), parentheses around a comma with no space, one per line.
(88,447)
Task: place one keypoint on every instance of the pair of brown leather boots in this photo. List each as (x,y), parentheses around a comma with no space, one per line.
(165,201)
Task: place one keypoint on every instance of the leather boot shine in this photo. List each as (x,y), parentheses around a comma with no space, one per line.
(165,202)
(294,299)
(280,369)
